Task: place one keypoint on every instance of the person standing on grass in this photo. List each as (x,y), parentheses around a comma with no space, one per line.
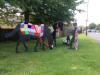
(75,38)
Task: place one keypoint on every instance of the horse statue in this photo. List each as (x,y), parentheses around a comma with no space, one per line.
(26,31)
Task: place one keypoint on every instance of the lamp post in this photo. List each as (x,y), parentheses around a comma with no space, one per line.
(87,17)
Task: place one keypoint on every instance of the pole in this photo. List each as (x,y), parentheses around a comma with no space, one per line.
(87,17)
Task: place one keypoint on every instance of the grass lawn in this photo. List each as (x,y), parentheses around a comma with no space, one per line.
(59,61)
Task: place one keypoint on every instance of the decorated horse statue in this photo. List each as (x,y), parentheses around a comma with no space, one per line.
(26,31)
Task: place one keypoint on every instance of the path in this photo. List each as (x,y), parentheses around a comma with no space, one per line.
(94,35)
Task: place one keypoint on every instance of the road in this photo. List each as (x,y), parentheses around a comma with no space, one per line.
(94,35)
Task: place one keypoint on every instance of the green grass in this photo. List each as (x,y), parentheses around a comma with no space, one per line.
(59,61)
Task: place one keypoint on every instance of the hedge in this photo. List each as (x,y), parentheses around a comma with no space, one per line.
(2,35)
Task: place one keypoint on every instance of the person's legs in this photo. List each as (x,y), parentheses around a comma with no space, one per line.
(71,43)
(76,44)
(54,38)
(68,40)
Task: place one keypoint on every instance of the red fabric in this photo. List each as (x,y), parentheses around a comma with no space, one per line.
(36,34)
(23,33)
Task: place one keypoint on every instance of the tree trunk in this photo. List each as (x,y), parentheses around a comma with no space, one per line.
(26,16)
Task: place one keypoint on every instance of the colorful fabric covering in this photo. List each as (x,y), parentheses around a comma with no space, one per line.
(32,29)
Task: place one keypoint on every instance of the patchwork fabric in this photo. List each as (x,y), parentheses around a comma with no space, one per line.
(32,29)
(22,29)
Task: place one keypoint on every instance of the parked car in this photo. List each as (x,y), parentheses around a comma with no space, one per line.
(89,30)
(93,30)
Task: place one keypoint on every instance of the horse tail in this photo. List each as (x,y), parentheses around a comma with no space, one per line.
(12,33)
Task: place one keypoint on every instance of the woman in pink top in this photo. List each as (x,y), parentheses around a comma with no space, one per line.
(76,39)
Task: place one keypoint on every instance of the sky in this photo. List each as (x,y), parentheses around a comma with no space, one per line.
(93,13)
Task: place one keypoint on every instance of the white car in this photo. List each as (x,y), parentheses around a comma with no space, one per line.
(93,30)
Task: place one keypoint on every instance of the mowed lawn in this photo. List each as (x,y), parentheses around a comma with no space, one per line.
(59,61)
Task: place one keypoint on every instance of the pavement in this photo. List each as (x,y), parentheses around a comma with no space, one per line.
(94,35)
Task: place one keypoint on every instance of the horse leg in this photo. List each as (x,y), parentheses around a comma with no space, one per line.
(17,45)
(23,41)
(43,45)
(36,45)
(25,45)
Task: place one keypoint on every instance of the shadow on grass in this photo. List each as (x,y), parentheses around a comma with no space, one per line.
(4,70)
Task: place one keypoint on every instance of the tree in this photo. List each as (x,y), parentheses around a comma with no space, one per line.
(7,13)
(98,27)
(28,6)
(1,3)
(53,10)
(92,26)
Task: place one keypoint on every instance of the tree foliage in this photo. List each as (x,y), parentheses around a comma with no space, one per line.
(7,14)
(98,27)
(92,26)
(2,3)
(51,10)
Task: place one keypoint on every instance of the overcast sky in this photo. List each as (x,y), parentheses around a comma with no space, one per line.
(93,13)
